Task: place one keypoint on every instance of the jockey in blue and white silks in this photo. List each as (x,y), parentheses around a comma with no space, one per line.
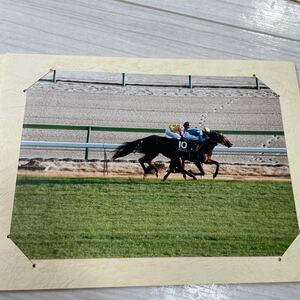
(195,134)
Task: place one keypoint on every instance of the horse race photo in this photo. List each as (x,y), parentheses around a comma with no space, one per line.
(133,165)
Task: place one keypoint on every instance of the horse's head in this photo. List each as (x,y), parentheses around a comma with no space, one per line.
(219,138)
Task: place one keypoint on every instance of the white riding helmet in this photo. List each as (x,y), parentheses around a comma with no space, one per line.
(206,129)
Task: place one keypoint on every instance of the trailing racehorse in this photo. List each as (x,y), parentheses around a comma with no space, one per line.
(153,145)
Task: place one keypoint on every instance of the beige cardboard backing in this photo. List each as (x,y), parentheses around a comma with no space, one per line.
(18,72)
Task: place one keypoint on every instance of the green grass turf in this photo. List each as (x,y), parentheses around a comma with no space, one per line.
(110,217)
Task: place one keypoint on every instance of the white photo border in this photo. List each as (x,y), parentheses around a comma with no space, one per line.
(18,72)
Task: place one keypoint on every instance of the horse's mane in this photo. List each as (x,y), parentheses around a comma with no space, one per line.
(214,132)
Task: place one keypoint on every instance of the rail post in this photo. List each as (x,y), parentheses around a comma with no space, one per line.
(105,164)
(123,79)
(88,137)
(257,85)
(190,82)
(54,76)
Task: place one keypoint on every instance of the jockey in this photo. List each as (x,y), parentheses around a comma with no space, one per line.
(187,134)
(178,132)
(195,134)
(175,131)
(198,133)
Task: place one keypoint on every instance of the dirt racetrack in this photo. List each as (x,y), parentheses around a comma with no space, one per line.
(95,168)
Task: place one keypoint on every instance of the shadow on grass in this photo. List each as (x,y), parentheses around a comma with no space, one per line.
(84,181)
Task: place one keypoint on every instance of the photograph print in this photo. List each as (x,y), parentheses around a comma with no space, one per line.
(129,165)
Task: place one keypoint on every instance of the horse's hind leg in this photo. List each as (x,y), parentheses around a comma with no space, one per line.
(148,159)
(154,167)
(142,163)
(171,169)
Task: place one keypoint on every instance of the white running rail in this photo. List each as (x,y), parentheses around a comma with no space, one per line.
(219,149)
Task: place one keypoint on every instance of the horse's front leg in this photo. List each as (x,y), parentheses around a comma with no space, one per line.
(178,163)
(200,168)
(183,165)
(213,162)
(183,171)
(167,175)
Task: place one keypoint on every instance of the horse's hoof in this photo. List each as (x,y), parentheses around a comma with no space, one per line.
(194,178)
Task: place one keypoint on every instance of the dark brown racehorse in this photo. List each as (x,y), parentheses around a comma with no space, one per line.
(153,145)
(203,152)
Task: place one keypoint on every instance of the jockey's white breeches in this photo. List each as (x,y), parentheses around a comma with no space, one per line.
(170,134)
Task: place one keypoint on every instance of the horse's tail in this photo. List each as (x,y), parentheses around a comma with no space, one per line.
(127,148)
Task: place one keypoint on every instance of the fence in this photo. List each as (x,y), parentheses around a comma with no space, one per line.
(87,145)
(45,144)
(258,84)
